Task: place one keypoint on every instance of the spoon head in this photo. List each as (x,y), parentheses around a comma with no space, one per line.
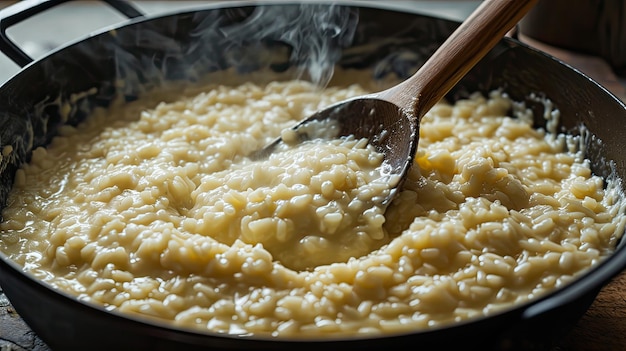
(391,130)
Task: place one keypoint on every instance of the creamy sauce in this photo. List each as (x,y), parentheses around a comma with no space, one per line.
(154,209)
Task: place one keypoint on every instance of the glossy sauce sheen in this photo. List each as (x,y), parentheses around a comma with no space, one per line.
(153,209)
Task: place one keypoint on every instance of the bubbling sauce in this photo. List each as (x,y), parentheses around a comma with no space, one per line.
(154,209)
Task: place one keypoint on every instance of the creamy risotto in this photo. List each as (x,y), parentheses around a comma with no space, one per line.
(157,211)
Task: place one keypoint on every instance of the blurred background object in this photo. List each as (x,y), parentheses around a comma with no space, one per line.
(588,34)
(592,27)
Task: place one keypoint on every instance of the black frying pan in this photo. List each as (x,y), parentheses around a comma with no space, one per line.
(146,52)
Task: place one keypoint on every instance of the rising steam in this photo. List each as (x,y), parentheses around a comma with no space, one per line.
(306,39)
(315,34)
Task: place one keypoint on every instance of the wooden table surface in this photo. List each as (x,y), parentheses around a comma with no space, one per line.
(603,327)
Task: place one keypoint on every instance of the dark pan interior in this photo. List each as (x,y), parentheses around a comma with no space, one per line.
(187,46)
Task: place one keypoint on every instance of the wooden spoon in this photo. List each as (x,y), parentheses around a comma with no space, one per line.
(390,119)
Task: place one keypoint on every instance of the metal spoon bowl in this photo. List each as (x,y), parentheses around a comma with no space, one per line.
(390,119)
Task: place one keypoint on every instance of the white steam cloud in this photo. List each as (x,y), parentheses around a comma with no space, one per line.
(315,33)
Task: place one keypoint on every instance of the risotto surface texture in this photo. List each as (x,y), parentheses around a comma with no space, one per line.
(154,209)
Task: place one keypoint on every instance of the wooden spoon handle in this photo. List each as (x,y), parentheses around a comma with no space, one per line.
(469,43)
